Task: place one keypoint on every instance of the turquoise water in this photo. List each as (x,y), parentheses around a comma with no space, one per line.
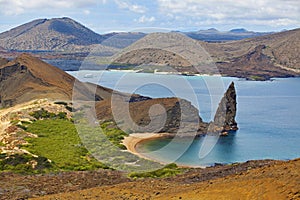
(268,115)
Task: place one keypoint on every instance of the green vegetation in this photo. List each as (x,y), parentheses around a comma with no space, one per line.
(113,134)
(44,114)
(14,122)
(104,143)
(167,171)
(24,163)
(2,144)
(257,78)
(58,141)
(70,147)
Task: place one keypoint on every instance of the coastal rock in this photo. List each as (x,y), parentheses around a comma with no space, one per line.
(172,115)
(160,115)
(224,119)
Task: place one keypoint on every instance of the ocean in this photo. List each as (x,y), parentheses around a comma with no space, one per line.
(268,115)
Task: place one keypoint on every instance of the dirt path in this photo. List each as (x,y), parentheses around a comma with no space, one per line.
(6,112)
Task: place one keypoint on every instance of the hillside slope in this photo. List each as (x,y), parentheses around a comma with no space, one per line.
(281,49)
(57,34)
(279,56)
(278,181)
(27,78)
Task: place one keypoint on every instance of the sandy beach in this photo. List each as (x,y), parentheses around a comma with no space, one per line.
(134,139)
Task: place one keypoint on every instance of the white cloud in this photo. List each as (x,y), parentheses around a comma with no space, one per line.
(276,12)
(144,19)
(132,7)
(86,12)
(16,7)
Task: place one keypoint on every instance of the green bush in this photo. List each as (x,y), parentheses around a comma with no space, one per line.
(22,163)
(44,114)
(113,134)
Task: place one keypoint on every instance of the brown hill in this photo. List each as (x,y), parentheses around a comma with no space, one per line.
(164,49)
(151,56)
(57,34)
(27,78)
(282,48)
(273,55)
(254,65)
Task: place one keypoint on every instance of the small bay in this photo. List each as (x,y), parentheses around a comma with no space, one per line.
(268,115)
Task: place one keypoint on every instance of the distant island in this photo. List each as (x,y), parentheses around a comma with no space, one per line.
(238,53)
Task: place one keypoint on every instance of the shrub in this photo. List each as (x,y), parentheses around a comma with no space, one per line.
(44,114)
(114,135)
(22,163)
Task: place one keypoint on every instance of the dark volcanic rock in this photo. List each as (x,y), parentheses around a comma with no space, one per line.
(224,119)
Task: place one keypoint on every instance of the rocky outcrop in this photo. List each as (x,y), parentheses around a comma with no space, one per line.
(160,115)
(224,119)
(172,115)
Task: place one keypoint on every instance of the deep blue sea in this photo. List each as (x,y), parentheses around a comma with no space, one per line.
(268,114)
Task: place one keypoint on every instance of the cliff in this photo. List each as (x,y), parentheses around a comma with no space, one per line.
(224,119)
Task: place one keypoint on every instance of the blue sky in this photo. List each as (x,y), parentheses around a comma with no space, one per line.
(105,16)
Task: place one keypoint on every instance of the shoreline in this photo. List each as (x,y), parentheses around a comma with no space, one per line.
(131,142)
(134,139)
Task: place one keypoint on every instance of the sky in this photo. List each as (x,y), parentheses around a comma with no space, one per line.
(105,16)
